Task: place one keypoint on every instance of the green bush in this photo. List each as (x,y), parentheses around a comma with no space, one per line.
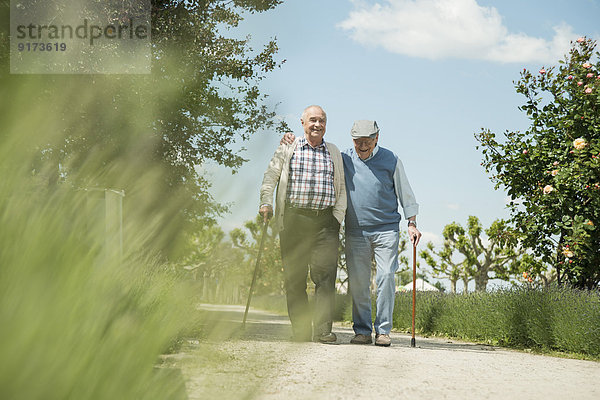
(76,323)
(555,318)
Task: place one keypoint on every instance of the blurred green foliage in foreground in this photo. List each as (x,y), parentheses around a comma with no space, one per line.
(76,322)
(90,295)
(554,318)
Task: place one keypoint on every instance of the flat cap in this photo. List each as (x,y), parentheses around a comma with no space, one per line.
(364,128)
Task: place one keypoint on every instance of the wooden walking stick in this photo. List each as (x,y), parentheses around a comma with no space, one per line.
(260,250)
(414,291)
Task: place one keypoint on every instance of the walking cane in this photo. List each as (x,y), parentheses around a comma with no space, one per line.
(414,291)
(260,250)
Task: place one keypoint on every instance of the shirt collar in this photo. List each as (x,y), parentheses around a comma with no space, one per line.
(375,150)
(303,142)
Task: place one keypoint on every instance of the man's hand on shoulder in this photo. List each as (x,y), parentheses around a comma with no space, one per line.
(288,138)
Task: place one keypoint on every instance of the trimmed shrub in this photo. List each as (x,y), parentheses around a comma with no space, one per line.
(561,319)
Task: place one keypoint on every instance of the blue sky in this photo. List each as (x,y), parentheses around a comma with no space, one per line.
(430,72)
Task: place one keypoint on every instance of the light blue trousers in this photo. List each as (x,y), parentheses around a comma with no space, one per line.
(361,247)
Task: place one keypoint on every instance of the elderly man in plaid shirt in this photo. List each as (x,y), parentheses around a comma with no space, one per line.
(309,208)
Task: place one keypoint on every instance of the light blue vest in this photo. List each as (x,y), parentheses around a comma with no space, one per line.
(372,200)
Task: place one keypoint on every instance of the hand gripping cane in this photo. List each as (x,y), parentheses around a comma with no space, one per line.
(414,291)
(260,250)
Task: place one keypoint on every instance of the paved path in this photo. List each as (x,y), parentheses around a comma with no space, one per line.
(260,363)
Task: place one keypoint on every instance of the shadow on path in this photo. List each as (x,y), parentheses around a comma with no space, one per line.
(224,322)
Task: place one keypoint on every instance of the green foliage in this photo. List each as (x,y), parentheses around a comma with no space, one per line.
(552,170)
(77,320)
(444,266)
(216,97)
(551,318)
(201,99)
(480,261)
(270,275)
(217,269)
(78,323)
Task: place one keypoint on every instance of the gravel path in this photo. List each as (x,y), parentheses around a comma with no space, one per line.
(260,363)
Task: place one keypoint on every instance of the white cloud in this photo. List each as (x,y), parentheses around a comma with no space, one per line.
(437,29)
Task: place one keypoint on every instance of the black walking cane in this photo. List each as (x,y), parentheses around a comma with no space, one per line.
(414,291)
(260,250)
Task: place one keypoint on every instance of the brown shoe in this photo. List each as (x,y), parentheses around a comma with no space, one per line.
(326,338)
(382,340)
(361,339)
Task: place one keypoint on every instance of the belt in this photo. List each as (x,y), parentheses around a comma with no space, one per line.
(310,212)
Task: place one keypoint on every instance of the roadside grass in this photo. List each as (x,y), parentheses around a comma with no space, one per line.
(561,322)
(76,323)
(549,320)
(78,318)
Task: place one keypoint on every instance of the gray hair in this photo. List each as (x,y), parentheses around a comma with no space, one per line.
(303,117)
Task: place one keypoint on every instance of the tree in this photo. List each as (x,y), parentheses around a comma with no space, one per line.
(270,276)
(444,266)
(216,100)
(498,257)
(534,272)
(202,97)
(552,170)
(147,134)
(215,265)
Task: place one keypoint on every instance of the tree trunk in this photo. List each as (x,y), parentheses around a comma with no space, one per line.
(466,284)
(559,256)
(481,279)
(481,283)
(453,286)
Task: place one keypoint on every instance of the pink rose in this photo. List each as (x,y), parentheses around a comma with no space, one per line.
(542,71)
(570,77)
(555,163)
(589,75)
(588,90)
(580,40)
(579,83)
(587,65)
(525,151)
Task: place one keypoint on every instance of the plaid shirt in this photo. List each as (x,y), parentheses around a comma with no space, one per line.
(310,184)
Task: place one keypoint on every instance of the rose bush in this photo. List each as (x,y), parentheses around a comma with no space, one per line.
(554,185)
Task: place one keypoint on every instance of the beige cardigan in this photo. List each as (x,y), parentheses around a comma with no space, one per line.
(277,175)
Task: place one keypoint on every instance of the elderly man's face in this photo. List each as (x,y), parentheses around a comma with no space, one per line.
(364,146)
(313,122)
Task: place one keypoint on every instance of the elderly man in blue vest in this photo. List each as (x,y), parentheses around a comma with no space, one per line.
(375,184)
